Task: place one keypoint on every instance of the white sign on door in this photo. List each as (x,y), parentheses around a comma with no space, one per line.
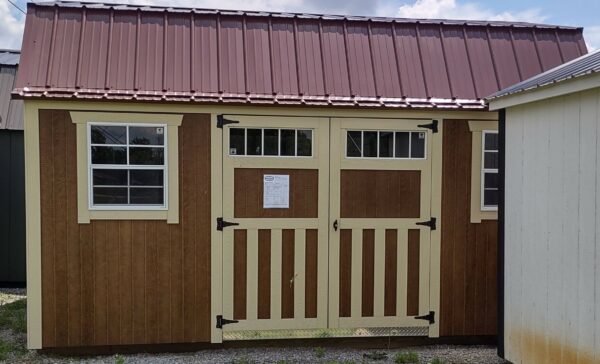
(276,191)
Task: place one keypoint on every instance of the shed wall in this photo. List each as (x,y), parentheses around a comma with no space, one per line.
(468,258)
(552,279)
(123,282)
(12,208)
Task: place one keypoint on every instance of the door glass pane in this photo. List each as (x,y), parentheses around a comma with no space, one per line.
(237,141)
(109,155)
(353,144)
(143,177)
(254,140)
(146,155)
(490,160)
(491,141)
(110,196)
(109,177)
(288,142)
(402,141)
(146,196)
(271,141)
(304,143)
(490,180)
(370,144)
(490,198)
(417,144)
(103,134)
(386,144)
(146,135)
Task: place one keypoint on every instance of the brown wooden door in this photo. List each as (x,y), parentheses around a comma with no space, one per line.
(380,189)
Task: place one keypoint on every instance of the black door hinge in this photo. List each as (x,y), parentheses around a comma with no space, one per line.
(221,121)
(430,223)
(429,317)
(223,321)
(433,126)
(223,224)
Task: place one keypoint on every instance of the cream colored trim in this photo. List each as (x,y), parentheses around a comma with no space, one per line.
(477,127)
(326,112)
(84,213)
(553,90)
(436,235)
(33,227)
(216,237)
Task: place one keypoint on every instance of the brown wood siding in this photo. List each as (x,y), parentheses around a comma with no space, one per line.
(240,270)
(468,257)
(414,253)
(248,193)
(311,269)
(380,194)
(287,273)
(391,272)
(345,273)
(123,282)
(368,271)
(264,274)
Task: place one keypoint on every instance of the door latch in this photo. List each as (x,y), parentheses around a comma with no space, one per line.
(335,225)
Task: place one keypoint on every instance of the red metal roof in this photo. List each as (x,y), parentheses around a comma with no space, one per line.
(125,52)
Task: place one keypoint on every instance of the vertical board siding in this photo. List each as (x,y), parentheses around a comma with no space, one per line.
(391,269)
(311,272)
(123,282)
(345,273)
(552,226)
(468,257)
(368,271)
(414,255)
(240,269)
(287,273)
(264,274)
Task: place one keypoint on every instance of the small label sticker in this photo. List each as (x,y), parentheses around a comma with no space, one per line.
(421,135)
(232,151)
(160,131)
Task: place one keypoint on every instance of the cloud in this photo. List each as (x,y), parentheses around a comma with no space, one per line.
(592,37)
(11,27)
(451,9)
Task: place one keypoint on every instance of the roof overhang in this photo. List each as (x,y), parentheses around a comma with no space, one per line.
(557,89)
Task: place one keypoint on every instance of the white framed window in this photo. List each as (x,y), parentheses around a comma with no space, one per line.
(386,144)
(489,170)
(270,142)
(127,166)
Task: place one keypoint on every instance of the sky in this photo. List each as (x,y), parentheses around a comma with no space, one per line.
(573,12)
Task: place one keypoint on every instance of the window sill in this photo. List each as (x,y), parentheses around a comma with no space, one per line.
(128,214)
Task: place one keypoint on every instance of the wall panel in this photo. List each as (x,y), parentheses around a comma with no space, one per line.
(123,282)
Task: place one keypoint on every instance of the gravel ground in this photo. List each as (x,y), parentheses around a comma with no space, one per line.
(446,354)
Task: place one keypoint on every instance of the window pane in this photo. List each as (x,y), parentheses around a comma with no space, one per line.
(103,134)
(370,144)
(110,196)
(143,177)
(402,144)
(288,142)
(254,140)
(109,177)
(386,144)
(147,135)
(491,160)
(490,198)
(146,196)
(417,144)
(109,155)
(237,141)
(146,156)
(491,141)
(304,143)
(353,144)
(271,141)
(490,180)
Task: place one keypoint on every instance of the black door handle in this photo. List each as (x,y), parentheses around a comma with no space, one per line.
(335,225)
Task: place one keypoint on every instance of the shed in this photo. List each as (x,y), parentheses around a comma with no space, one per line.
(551,214)
(203,176)
(12,177)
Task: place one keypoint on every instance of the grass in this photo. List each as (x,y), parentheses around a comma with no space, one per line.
(319,352)
(13,317)
(406,358)
(436,361)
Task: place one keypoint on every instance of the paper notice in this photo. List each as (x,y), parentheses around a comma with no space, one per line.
(276,191)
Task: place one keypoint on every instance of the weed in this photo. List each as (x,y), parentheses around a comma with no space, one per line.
(14,316)
(319,352)
(436,361)
(406,358)
(7,349)
(242,360)
(375,355)
(119,359)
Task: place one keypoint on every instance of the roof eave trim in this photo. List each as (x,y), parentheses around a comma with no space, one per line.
(556,89)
